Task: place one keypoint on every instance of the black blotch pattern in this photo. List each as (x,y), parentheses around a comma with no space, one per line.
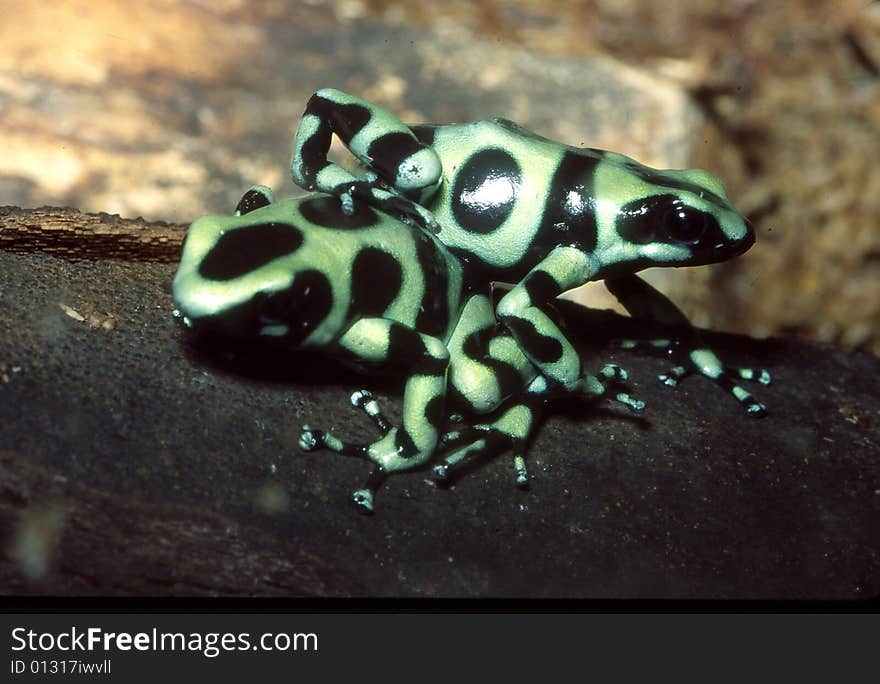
(251,200)
(389,150)
(659,218)
(476,348)
(541,287)
(485,190)
(404,444)
(509,381)
(435,411)
(405,347)
(433,316)
(518,130)
(638,221)
(663,180)
(302,306)
(476,345)
(567,219)
(569,214)
(425,133)
(242,250)
(376,279)
(541,348)
(348,119)
(326,211)
(344,120)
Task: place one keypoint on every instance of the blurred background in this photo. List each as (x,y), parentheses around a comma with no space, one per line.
(169,109)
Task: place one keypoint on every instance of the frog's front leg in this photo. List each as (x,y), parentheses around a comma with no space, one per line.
(411,445)
(687,349)
(520,310)
(409,170)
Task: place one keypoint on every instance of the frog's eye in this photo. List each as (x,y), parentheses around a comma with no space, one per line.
(681,223)
(257,197)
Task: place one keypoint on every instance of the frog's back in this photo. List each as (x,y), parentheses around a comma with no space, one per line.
(509,195)
(312,263)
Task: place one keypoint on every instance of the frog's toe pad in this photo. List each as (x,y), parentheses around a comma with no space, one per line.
(440,473)
(363,499)
(756,409)
(614,373)
(309,439)
(759,375)
(634,405)
(668,380)
(520,472)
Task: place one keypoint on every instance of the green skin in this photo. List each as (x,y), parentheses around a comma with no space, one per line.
(516,207)
(302,273)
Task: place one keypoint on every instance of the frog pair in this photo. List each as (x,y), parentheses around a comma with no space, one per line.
(363,287)
(447,210)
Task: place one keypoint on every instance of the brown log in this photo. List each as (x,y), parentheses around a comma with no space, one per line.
(73,235)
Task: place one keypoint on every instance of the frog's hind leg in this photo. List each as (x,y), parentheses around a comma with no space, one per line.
(402,172)
(508,432)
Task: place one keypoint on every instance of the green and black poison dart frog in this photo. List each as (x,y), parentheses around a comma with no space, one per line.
(359,285)
(519,208)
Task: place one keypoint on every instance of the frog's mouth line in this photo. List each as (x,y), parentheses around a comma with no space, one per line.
(743,245)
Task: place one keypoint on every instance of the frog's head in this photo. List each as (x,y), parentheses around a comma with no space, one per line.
(672,218)
(245,276)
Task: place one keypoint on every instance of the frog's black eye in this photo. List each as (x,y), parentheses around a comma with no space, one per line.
(681,223)
(255,198)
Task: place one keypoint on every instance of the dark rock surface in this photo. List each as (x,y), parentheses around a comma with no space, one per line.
(134,463)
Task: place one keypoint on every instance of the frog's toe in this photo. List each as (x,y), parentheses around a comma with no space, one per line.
(673,376)
(753,407)
(614,373)
(756,409)
(363,499)
(410,212)
(520,472)
(759,375)
(440,473)
(634,405)
(309,439)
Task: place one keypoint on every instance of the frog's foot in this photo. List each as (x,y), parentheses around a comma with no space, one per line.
(312,439)
(378,195)
(509,431)
(704,361)
(611,376)
(479,443)
(363,498)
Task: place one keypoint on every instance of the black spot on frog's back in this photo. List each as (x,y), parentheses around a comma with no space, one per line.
(326,211)
(433,316)
(376,280)
(242,250)
(485,190)
(425,133)
(569,214)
